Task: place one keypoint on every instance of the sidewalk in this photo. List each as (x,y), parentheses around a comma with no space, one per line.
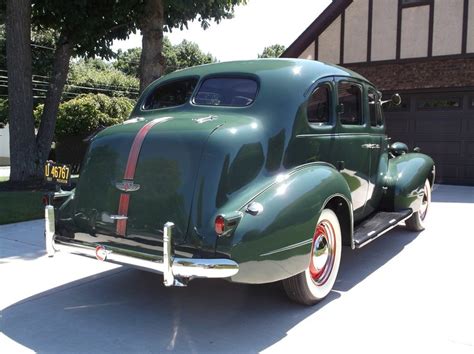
(4,171)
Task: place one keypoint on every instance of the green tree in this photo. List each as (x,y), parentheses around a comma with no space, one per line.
(98,76)
(184,55)
(175,57)
(273,51)
(156,16)
(42,47)
(128,61)
(84,28)
(20,89)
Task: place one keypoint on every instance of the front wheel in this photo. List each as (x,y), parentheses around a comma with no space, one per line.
(315,283)
(416,221)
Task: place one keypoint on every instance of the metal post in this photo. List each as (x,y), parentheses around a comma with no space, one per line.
(168,277)
(49,229)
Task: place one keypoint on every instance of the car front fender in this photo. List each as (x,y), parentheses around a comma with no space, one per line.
(405,180)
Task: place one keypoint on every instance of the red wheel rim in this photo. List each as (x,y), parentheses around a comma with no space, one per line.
(323,253)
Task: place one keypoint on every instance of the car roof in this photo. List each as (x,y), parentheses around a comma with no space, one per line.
(306,70)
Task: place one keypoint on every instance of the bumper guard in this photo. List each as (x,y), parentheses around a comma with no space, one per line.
(175,270)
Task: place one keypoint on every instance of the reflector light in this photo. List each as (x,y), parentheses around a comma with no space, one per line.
(219,225)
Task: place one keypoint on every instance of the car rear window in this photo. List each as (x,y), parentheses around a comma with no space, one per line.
(227,91)
(171,94)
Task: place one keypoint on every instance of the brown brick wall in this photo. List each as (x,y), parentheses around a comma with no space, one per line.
(430,73)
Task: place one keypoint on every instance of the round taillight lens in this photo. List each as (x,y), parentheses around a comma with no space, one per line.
(219,225)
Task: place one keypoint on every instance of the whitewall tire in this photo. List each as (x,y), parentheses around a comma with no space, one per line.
(416,222)
(315,283)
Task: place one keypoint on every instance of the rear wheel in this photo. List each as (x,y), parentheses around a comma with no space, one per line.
(416,221)
(315,283)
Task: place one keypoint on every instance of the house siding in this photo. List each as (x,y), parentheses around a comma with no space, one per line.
(434,73)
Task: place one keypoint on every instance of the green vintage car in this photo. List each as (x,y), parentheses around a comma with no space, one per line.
(254,171)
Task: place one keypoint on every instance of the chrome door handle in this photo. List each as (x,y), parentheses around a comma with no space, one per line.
(371,146)
(118,217)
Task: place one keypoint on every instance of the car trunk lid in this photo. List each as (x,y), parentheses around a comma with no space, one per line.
(138,176)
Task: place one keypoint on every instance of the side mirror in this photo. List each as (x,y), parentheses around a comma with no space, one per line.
(398,148)
(396,99)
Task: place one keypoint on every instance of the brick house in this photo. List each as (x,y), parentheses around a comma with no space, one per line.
(423,49)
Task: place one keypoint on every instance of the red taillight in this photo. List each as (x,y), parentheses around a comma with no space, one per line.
(219,225)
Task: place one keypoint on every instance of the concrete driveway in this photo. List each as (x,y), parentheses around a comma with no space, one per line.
(405,292)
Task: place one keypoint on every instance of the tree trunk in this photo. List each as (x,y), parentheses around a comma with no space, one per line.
(45,135)
(151,61)
(20,91)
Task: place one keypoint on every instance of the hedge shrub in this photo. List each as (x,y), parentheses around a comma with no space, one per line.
(85,113)
(88,76)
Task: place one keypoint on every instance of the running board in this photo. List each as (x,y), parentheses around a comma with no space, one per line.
(377,225)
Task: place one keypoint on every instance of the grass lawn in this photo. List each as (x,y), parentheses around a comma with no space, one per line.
(16,206)
(20,206)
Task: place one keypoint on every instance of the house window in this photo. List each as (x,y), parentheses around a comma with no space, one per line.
(375,111)
(319,106)
(350,103)
(439,103)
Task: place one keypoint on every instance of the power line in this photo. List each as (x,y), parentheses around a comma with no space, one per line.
(118,88)
(103,88)
(33,44)
(76,82)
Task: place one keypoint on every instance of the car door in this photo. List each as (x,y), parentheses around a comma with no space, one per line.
(378,150)
(352,156)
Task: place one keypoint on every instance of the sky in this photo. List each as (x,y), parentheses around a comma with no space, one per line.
(255,26)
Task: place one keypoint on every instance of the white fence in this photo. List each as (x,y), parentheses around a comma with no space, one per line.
(4,146)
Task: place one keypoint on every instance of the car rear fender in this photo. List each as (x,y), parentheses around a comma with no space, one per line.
(275,243)
(405,179)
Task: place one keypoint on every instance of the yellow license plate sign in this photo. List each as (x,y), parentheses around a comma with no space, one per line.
(57,173)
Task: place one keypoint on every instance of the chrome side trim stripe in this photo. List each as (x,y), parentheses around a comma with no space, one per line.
(287,248)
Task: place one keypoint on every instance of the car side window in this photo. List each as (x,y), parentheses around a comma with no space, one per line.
(318,109)
(375,109)
(350,102)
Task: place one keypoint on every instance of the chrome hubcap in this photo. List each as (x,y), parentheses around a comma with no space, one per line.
(322,253)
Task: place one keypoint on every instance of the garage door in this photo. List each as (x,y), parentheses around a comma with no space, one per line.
(442,125)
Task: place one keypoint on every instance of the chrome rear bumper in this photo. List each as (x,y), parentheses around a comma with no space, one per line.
(174,269)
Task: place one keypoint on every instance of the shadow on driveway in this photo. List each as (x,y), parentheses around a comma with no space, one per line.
(131,311)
